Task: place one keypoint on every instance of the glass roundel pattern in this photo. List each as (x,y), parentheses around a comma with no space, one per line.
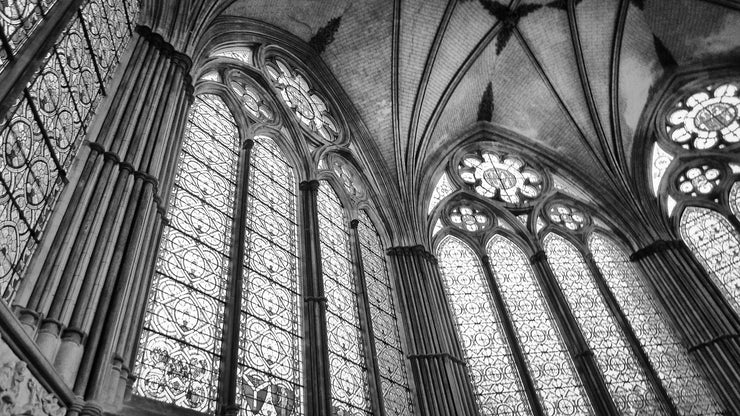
(270,365)
(675,369)
(498,389)
(707,119)
(42,131)
(308,107)
(349,388)
(699,180)
(624,377)
(715,243)
(505,178)
(566,216)
(548,361)
(388,348)
(252,101)
(468,218)
(179,349)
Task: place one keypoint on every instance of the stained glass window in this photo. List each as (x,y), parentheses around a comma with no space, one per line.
(716,245)
(680,376)
(735,199)
(699,180)
(707,119)
(661,161)
(346,356)
(498,389)
(308,107)
(503,177)
(244,55)
(443,189)
(180,345)
(270,371)
(554,375)
(43,129)
(566,216)
(624,377)
(471,219)
(252,101)
(390,355)
(18,20)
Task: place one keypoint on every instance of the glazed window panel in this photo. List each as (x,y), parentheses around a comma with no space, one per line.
(680,376)
(42,131)
(346,356)
(390,354)
(18,20)
(735,199)
(499,391)
(270,366)
(548,360)
(716,245)
(624,377)
(179,350)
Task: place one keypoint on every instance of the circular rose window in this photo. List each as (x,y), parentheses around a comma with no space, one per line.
(506,178)
(707,119)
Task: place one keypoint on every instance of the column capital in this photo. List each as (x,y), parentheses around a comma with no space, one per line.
(312,185)
(655,247)
(538,257)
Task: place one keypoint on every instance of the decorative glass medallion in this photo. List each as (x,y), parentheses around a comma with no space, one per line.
(699,180)
(468,218)
(252,101)
(707,119)
(308,107)
(567,216)
(661,161)
(348,176)
(506,178)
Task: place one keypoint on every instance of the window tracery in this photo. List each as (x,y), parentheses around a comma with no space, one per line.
(244,55)
(661,161)
(468,218)
(503,177)
(252,101)
(18,20)
(43,129)
(567,216)
(707,119)
(699,180)
(309,108)
(443,189)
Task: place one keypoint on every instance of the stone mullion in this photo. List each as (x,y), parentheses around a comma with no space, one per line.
(318,383)
(630,335)
(365,320)
(439,372)
(513,340)
(703,317)
(26,60)
(228,396)
(582,355)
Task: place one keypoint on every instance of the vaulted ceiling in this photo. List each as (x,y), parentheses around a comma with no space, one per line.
(572,76)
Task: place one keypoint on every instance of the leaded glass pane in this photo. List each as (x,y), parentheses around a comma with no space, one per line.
(347,368)
(18,20)
(441,191)
(179,349)
(735,199)
(498,389)
(270,372)
(707,119)
(661,161)
(679,375)
(554,375)
(624,377)
(390,355)
(42,130)
(716,245)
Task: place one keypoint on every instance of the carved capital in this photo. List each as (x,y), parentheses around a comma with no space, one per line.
(312,185)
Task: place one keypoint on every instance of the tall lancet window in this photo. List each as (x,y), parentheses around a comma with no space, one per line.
(625,379)
(180,347)
(554,376)
(348,370)
(680,376)
(499,390)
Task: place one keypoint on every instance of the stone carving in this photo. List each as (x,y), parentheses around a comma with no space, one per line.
(20,392)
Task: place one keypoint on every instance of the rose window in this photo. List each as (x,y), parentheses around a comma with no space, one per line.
(502,177)
(469,219)
(699,180)
(707,119)
(308,107)
(567,217)
(252,102)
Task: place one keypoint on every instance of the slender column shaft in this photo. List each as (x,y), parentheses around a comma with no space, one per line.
(702,316)
(437,362)
(583,356)
(318,386)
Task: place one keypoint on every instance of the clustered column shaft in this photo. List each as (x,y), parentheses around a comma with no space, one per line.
(86,304)
(437,360)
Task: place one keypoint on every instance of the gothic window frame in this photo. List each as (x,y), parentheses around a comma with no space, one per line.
(529,235)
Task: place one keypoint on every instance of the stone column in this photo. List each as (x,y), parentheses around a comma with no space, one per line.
(699,311)
(318,386)
(96,275)
(583,356)
(437,360)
